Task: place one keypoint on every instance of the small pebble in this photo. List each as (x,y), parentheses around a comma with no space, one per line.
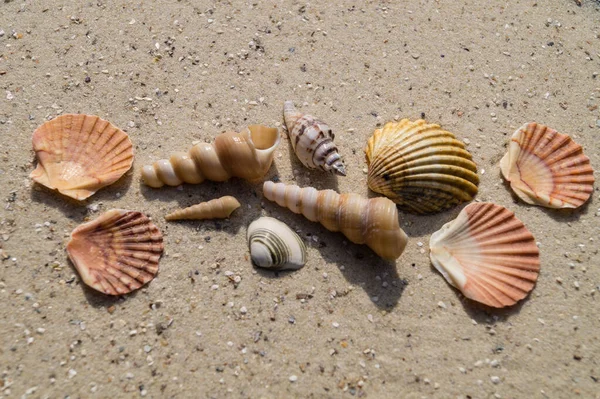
(495,379)
(293,378)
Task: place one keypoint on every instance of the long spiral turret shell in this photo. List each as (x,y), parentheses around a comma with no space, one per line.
(219,208)
(373,222)
(312,141)
(247,154)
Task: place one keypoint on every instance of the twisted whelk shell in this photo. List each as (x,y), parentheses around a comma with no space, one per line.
(219,208)
(116,253)
(547,168)
(488,254)
(421,167)
(273,245)
(312,141)
(79,154)
(247,154)
(373,222)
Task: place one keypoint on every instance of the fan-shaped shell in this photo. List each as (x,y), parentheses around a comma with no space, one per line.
(421,167)
(80,154)
(488,254)
(273,245)
(116,253)
(219,208)
(547,168)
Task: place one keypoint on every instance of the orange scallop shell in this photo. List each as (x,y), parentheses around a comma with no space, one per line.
(80,154)
(116,253)
(488,254)
(547,168)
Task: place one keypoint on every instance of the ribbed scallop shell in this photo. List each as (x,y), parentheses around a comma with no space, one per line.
(116,253)
(219,208)
(273,245)
(488,254)
(80,154)
(547,168)
(312,141)
(421,167)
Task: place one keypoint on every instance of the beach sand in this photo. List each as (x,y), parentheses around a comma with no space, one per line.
(348,324)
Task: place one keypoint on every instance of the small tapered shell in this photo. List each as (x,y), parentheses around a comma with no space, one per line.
(488,254)
(312,141)
(116,253)
(219,208)
(421,167)
(247,155)
(373,222)
(547,168)
(273,245)
(79,154)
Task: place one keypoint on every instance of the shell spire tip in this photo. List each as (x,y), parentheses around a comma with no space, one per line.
(339,169)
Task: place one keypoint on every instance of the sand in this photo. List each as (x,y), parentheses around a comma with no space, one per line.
(347,324)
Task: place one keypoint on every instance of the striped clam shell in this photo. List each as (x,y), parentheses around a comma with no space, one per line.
(273,245)
(312,141)
(420,167)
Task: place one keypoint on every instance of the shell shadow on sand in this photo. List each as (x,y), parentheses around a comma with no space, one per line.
(359,265)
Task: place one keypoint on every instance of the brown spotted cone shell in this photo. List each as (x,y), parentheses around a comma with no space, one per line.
(547,168)
(312,141)
(79,154)
(116,253)
(488,254)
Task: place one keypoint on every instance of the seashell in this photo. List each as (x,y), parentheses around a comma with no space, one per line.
(273,245)
(547,168)
(79,154)
(312,141)
(421,167)
(373,222)
(117,252)
(488,254)
(247,154)
(219,208)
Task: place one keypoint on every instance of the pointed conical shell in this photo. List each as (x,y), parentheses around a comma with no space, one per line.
(219,208)
(247,154)
(80,154)
(116,253)
(273,245)
(488,254)
(421,167)
(312,141)
(547,168)
(373,221)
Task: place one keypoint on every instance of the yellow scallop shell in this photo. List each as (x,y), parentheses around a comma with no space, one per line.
(420,167)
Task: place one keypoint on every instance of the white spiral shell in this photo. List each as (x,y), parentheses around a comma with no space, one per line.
(273,245)
(312,141)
